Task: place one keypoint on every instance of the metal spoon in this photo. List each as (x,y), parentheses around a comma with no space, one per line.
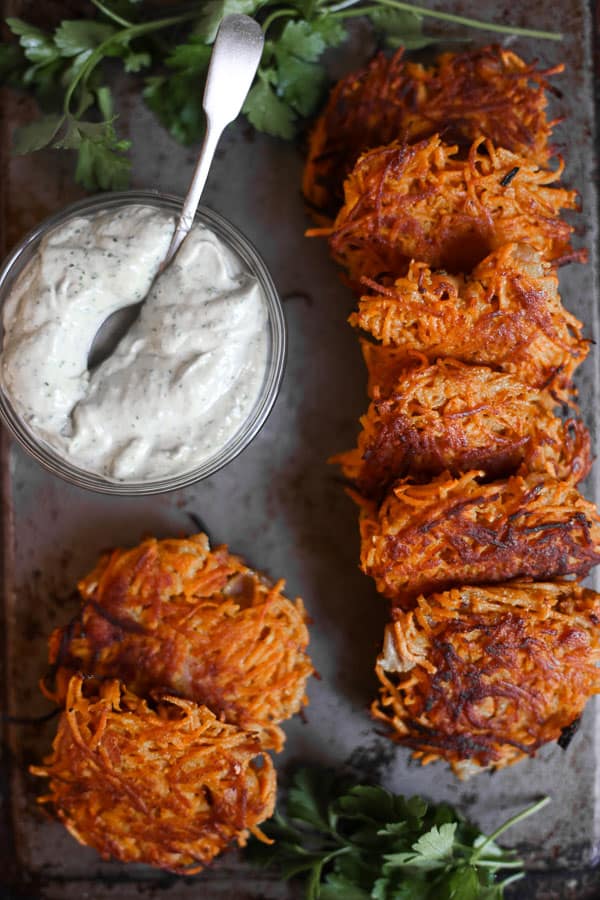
(233,63)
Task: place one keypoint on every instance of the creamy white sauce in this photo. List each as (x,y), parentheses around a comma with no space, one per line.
(180,383)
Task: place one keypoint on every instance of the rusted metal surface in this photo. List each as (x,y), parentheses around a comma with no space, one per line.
(282,507)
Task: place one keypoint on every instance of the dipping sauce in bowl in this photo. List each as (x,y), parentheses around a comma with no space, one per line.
(189,384)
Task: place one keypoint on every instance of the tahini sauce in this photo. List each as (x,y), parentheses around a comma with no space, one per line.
(179,384)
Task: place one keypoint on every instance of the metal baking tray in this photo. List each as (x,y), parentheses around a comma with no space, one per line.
(281,506)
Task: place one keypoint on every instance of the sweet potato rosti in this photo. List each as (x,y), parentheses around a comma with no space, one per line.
(421,202)
(507,314)
(172,615)
(430,537)
(368,108)
(171,787)
(488,91)
(482,677)
(455,417)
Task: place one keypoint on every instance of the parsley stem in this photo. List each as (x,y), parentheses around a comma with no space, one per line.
(511,880)
(340,13)
(497,863)
(277,15)
(535,807)
(111,15)
(446,17)
(337,7)
(471,23)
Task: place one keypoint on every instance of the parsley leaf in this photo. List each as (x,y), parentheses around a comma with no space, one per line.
(401,29)
(336,887)
(437,843)
(266,111)
(360,842)
(411,887)
(308,798)
(331,30)
(175,98)
(37,134)
(462,884)
(101,161)
(74,37)
(301,84)
(135,62)
(174,101)
(37,45)
(367,802)
(300,39)
(216,10)
(11,61)
(193,56)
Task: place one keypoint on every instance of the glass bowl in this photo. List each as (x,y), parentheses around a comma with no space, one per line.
(50,458)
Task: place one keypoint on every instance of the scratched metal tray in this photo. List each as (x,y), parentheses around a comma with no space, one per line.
(282,507)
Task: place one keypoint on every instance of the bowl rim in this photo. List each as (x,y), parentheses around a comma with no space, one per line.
(234,238)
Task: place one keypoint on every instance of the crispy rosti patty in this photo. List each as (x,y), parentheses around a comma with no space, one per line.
(366,109)
(486,92)
(173,615)
(456,417)
(421,202)
(456,531)
(508,314)
(171,786)
(482,677)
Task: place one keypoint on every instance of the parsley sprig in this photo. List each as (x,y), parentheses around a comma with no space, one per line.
(66,69)
(351,841)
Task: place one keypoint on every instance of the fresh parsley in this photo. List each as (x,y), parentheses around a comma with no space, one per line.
(169,56)
(350,841)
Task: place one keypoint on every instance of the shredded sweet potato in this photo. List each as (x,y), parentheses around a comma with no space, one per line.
(450,226)
(171,787)
(456,417)
(387,365)
(508,314)
(421,202)
(172,615)
(483,676)
(366,109)
(456,531)
(489,92)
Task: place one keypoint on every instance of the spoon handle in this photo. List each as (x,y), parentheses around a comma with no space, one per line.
(192,199)
(233,64)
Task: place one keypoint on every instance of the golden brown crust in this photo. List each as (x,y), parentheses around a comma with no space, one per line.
(489,91)
(173,615)
(421,202)
(430,537)
(170,787)
(482,677)
(508,314)
(456,417)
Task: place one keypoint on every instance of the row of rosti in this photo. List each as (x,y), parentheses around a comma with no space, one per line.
(174,677)
(470,517)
